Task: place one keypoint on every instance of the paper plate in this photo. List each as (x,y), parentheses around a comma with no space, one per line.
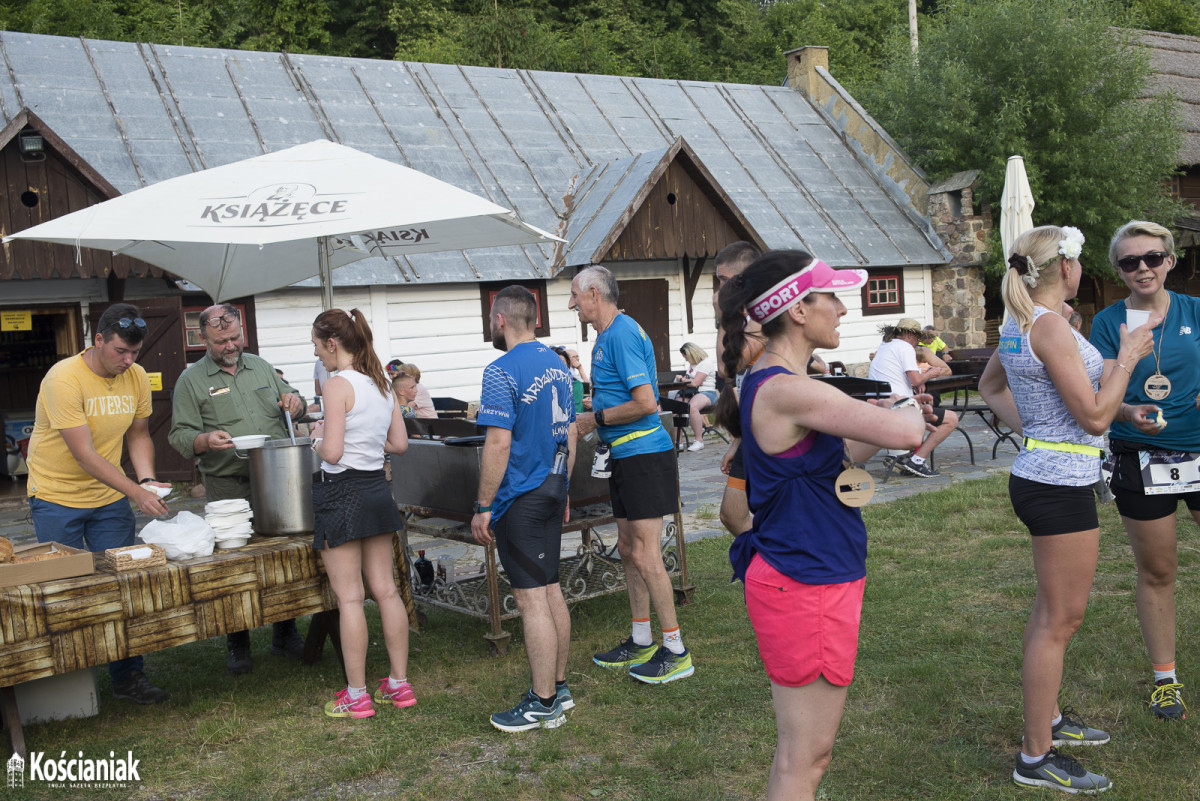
(225,545)
(224,507)
(249,441)
(232,532)
(228,518)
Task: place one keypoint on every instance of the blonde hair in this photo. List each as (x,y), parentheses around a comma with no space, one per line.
(1140,228)
(410,370)
(1032,251)
(693,352)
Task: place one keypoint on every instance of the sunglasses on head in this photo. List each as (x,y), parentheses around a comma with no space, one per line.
(126,323)
(220,321)
(1153,259)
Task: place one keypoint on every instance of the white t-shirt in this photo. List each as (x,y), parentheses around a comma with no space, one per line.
(707,366)
(891,363)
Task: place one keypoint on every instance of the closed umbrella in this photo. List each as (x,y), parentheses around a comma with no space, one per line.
(1016,204)
(274,220)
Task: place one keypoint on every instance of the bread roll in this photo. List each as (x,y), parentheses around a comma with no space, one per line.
(6,550)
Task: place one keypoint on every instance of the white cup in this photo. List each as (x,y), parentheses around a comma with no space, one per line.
(1136,318)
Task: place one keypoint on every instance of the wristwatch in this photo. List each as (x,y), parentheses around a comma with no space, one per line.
(479,508)
(148,480)
(905,403)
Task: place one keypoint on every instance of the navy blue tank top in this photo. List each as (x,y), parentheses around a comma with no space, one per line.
(800,527)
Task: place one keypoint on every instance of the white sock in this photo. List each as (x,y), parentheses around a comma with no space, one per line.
(673,641)
(916,459)
(356,692)
(1056,721)
(1031,761)
(1159,675)
(394,683)
(641,632)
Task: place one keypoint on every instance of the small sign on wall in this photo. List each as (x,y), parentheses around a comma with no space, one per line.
(155,381)
(16,321)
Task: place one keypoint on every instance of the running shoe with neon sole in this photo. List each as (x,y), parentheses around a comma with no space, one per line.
(1060,772)
(530,713)
(563,693)
(1166,701)
(343,707)
(664,666)
(1073,731)
(400,697)
(627,654)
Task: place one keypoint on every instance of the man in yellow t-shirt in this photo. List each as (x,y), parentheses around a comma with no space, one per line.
(78,495)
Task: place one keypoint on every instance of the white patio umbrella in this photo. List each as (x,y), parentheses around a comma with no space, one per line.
(1016,204)
(273,220)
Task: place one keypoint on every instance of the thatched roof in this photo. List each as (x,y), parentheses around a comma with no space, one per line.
(1176,61)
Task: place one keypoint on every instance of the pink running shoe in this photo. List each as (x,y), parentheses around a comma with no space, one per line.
(400,697)
(342,707)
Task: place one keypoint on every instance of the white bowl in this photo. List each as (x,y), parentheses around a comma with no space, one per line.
(226,545)
(227,507)
(228,518)
(250,441)
(232,532)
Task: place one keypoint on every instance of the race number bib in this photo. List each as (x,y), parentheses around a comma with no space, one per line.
(1170,472)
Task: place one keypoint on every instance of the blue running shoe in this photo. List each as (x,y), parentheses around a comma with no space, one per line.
(530,713)
(664,666)
(563,692)
(627,654)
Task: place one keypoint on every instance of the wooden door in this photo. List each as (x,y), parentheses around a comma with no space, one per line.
(645,300)
(163,353)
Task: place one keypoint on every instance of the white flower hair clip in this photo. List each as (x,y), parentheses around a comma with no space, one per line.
(1071,245)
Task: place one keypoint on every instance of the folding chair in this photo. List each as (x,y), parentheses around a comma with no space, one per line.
(679,418)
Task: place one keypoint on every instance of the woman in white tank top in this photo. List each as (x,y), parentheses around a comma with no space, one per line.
(354,513)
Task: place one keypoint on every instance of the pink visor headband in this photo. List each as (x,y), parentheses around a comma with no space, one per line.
(816,277)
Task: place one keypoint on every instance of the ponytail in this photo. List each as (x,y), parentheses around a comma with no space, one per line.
(351,331)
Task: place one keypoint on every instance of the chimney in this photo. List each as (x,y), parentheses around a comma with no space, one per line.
(802,66)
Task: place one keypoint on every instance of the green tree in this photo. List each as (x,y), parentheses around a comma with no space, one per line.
(1052,81)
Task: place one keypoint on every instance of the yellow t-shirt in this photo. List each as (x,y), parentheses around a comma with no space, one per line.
(71,396)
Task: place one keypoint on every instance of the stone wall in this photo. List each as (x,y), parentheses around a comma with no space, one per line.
(958,304)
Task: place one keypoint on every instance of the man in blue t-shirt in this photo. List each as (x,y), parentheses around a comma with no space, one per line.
(528,409)
(644,483)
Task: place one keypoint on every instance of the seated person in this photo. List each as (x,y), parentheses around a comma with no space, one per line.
(930,339)
(407,385)
(701,379)
(895,361)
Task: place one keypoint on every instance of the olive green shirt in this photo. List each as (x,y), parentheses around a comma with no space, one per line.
(207,398)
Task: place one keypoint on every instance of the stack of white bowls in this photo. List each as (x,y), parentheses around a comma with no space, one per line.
(230,522)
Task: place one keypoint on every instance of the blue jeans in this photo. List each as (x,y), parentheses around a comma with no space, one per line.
(109,526)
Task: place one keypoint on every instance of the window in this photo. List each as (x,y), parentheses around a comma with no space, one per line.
(883,293)
(488,292)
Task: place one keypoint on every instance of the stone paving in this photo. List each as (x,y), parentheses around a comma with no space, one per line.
(701,487)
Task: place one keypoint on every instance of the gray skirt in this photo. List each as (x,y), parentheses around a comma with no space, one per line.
(352,505)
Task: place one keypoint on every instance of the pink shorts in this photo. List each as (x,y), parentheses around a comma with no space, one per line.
(803,630)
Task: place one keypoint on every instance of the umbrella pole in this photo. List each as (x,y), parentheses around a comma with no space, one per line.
(326,273)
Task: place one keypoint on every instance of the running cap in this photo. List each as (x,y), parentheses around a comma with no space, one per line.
(816,277)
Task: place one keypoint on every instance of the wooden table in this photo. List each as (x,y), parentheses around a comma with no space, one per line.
(60,626)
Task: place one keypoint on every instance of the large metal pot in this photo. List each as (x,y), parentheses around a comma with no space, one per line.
(281,476)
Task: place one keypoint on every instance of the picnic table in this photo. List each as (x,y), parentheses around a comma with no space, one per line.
(960,388)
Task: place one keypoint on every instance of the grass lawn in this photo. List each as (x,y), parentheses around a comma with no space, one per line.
(934,711)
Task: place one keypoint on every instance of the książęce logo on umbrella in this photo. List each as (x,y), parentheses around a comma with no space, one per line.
(275,205)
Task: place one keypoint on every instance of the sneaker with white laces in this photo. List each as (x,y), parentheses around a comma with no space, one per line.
(530,713)
(398,697)
(922,470)
(1060,772)
(627,654)
(1166,702)
(343,706)
(1073,731)
(664,666)
(698,445)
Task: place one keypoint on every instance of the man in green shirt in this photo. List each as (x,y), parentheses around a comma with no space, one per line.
(230,394)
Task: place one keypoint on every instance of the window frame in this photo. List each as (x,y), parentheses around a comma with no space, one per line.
(878,309)
(487,294)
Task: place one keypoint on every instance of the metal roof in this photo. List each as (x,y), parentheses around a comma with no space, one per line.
(141,113)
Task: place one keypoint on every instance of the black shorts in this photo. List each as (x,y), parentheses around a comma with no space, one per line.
(737,468)
(1130,492)
(644,486)
(939,415)
(529,536)
(1048,509)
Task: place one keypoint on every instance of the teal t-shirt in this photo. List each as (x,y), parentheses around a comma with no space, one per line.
(623,359)
(1178,336)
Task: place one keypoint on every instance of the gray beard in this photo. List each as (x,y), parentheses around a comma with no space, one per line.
(227,361)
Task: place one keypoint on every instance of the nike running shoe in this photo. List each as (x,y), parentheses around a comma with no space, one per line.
(530,713)
(664,666)
(1073,731)
(399,697)
(563,692)
(1060,772)
(627,654)
(1167,700)
(342,706)
(922,470)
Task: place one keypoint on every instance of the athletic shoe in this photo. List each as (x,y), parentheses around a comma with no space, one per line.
(400,697)
(343,707)
(627,654)
(1060,772)
(563,693)
(922,470)
(1073,731)
(664,666)
(530,713)
(137,688)
(696,446)
(1167,700)
(888,461)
